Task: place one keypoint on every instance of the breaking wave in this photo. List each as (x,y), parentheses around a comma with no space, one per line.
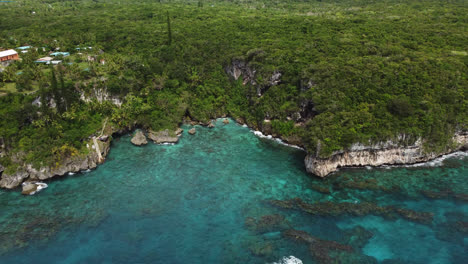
(261,135)
(289,260)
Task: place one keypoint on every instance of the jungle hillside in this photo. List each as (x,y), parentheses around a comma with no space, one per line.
(321,74)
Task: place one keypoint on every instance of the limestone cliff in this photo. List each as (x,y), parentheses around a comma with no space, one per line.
(242,69)
(383,153)
(97,151)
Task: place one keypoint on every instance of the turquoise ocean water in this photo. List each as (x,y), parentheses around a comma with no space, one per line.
(208,199)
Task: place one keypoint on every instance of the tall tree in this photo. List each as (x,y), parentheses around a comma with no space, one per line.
(63,90)
(55,90)
(44,95)
(169,30)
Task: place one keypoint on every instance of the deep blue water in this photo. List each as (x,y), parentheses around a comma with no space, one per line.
(195,202)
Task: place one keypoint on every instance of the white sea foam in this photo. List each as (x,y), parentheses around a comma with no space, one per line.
(166,144)
(40,186)
(289,260)
(435,162)
(86,171)
(71,173)
(261,135)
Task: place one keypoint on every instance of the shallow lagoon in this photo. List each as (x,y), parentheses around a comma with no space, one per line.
(208,198)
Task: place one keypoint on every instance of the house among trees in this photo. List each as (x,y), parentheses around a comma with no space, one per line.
(24,49)
(7,56)
(58,53)
(44,60)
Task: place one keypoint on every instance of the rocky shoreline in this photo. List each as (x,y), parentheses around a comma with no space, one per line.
(382,153)
(358,155)
(98,150)
(28,176)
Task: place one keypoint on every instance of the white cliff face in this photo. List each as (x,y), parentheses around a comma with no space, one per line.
(71,164)
(11,181)
(384,153)
(100,95)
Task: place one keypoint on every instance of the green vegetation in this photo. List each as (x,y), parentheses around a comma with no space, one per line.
(351,71)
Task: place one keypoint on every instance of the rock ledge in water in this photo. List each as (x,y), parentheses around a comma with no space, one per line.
(30,188)
(192,131)
(139,139)
(179,131)
(164,136)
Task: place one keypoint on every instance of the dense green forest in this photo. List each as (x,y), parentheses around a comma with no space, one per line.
(350,71)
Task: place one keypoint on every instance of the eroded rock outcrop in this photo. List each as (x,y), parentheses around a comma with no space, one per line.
(179,131)
(242,68)
(30,188)
(97,152)
(164,136)
(100,95)
(139,139)
(11,181)
(383,153)
(239,68)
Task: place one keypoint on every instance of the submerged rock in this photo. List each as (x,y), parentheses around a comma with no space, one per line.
(164,136)
(364,184)
(267,223)
(320,189)
(298,236)
(192,131)
(356,209)
(320,249)
(139,139)
(462,226)
(444,194)
(261,248)
(358,237)
(211,125)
